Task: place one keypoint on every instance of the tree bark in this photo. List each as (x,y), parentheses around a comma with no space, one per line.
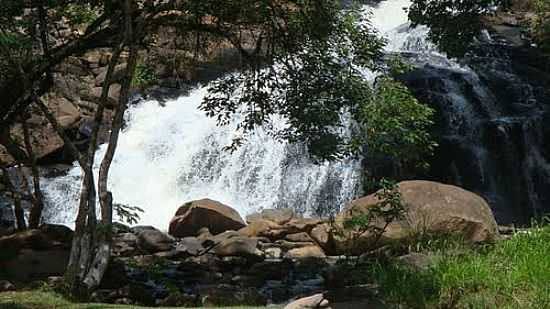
(91,250)
(37,200)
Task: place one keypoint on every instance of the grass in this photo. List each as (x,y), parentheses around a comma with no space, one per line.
(514,273)
(50,300)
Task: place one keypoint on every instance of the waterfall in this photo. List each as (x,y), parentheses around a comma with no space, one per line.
(492,119)
(172,153)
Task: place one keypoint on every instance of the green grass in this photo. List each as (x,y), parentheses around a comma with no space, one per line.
(511,274)
(50,300)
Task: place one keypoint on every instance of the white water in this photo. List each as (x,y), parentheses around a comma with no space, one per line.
(169,155)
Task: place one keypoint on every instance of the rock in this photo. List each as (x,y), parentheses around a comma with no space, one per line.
(66,114)
(430,208)
(299,237)
(238,246)
(278,216)
(95,95)
(189,246)
(416,261)
(273,253)
(153,241)
(125,244)
(321,235)
(312,251)
(193,216)
(316,301)
(58,233)
(33,265)
(6,286)
(259,228)
(288,245)
(118,75)
(31,239)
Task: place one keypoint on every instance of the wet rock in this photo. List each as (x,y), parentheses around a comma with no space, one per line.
(193,216)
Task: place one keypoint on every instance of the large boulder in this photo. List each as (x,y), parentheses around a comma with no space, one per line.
(32,255)
(215,216)
(435,209)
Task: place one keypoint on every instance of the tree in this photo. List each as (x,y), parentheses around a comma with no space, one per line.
(455,23)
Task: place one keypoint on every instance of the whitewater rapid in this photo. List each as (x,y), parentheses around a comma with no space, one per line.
(172,153)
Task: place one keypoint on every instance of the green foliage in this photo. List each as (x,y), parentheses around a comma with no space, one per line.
(397,125)
(453,23)
(512,274)
(374,221)
(127,213)
(144,76)
(78,13)
(541,24)
(315,76)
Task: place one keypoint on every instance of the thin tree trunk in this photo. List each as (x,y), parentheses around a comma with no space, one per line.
(35,213)
(92,243)
(103,253)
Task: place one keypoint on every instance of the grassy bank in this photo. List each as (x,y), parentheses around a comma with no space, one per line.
(49,300)
(514,273)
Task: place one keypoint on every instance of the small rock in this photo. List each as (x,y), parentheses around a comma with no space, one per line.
(189,246)
(316,301)
(416,261)
(305,252)
(278,216)
(154,241)
(299,237)
(238,246)
(273,253)
(6,286)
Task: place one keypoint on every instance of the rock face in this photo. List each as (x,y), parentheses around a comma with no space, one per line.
(193,216)
(434,208)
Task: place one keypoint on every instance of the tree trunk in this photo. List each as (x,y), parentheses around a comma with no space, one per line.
(36,197)
(92,241)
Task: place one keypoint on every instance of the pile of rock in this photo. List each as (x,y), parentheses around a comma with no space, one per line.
(211,256)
